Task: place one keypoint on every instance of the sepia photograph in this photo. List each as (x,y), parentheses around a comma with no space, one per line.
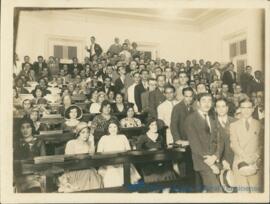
(139,101)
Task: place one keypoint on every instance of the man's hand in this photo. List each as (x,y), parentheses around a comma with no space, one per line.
(226,164)
(210,159)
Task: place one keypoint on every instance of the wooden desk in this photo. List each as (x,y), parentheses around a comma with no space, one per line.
(55,165)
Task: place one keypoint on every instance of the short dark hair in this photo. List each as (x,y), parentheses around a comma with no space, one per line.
(161,75)
(222,99)
(187,89)
(119,93)
(201,95)
(169,87)
(36,88)
(246,100)
(144,70)
(103,104)
(27,119)
(106,128)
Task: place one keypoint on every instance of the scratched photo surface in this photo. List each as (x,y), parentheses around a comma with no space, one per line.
(141,101)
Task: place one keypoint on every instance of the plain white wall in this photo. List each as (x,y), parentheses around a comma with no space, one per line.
(249,21)
(175,42)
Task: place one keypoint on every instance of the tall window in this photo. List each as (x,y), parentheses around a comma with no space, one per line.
(66,47)
(238,48)
(238,55)
(64,52)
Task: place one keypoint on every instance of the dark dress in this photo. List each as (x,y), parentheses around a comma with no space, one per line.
(28,150)
(155,171)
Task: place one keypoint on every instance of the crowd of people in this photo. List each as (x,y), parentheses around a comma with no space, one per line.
(212,111)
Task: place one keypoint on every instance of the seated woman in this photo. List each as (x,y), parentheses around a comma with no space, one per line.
(38,96)
(114,142)
(93,97)
(39,100)
(101,121)
(85,179)
(28,147)
(151,140)
(130,120)
(111,96)
(72,116)
(119,107)
(95,107)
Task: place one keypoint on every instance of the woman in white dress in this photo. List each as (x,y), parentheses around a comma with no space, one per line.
(95,107)
(81,179)
(113,142)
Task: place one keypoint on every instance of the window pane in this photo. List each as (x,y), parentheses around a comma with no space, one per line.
(58,51)
(243,47)
(72,52)
(232,50)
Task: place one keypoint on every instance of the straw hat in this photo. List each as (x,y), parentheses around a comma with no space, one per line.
(226,178)
(246,170)
(80,127)
(79,112)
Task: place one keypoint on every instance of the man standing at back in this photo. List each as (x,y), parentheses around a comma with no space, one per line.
(95,49)
(164,110)
(202,135)
(229,77)
(157,96)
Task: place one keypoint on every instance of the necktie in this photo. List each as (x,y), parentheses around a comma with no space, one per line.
(223,123)
(247,125)
(207,128)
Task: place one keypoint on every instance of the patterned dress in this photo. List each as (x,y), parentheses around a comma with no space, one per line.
(130,122)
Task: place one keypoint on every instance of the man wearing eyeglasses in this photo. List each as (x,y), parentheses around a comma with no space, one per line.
(246,142)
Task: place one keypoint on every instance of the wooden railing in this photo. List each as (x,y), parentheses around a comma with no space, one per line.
(52,166)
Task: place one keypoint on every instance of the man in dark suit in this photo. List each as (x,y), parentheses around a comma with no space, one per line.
(201,131)
(95,49)
(257,83)
(168,71)
(156,97)
(26,59)
(74,65)
(38,66)
(178,117)
(223,124)
(179,114)
(107,85)
(246,79)
(229,77)
(140,88)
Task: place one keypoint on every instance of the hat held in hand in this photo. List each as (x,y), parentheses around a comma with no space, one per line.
(246,170)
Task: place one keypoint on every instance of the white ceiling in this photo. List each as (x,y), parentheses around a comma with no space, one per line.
(187,18)
(192,16)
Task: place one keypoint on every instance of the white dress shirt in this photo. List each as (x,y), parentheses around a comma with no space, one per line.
(131,96)
(164,111)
